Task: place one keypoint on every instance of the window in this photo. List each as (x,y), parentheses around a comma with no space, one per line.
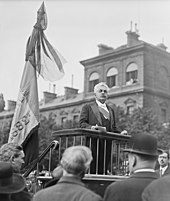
(76,118)
(63,120)
(163,79)
(130,105)
(112,77)
(93,80)
(131,74)
(130,109)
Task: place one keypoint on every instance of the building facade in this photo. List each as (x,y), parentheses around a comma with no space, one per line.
(138,74)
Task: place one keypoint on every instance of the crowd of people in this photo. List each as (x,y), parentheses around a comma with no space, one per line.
(143,184)
(149,169)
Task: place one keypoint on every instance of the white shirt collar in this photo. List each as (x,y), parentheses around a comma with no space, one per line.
(144,170)
(100,104)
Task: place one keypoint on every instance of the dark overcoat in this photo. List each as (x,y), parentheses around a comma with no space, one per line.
(129,189)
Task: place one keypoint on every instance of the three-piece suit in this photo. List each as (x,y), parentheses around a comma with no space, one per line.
(167,171)
(91,116)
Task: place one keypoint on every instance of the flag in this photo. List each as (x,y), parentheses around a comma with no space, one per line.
(43,59)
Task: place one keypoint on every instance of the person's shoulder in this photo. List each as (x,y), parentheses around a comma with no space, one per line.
(115,189)
(122,184)
(110,106)
(118,184)
(91,103)
(151,192)
(90,195)
(163,180)
(88,105)
(45,191)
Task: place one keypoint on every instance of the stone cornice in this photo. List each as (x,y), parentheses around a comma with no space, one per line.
(124,51)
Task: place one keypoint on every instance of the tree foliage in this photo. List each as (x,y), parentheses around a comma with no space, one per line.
(143,120)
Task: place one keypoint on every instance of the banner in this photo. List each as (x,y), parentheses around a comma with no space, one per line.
(43,59)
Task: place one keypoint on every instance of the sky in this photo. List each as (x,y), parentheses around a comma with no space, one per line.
(75,28)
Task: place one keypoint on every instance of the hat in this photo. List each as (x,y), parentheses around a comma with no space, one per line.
(9,181)
(144,144)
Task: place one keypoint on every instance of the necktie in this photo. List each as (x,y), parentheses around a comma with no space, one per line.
(161,172)
(104,112)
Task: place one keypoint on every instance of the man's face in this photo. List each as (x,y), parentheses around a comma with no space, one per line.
(163,159)
(101,94)
(18,161)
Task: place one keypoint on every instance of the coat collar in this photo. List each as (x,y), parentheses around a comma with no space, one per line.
(96,112)
(71,180)
(153,175)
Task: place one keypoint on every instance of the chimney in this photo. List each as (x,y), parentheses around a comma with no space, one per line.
(70,92)
(162,46)
(132,36)
(54,88)
(48,96)
(2,102)
(103,49)
(11,105)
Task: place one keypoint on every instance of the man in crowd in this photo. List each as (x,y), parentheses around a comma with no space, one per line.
(163,160)
(10,182)
(142,157)
(75,163)
(13,153)
(158,190)
(99,116)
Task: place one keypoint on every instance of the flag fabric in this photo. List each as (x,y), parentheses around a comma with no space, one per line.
(43,59)
(26,117)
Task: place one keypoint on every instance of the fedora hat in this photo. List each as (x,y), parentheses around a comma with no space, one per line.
(144,144)
(9,181)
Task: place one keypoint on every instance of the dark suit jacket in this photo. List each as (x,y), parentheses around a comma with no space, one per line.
(167,171)
(90,116)
(129,189)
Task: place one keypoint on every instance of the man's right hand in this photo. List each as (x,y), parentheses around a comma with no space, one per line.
(98,128)
(94,127)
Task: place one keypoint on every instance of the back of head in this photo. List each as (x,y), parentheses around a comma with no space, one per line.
(76,159)
(9,150)
(142,151)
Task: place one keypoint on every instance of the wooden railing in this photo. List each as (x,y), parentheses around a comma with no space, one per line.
(72,137)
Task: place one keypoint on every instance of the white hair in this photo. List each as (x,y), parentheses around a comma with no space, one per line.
(76,159)
(97,86)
